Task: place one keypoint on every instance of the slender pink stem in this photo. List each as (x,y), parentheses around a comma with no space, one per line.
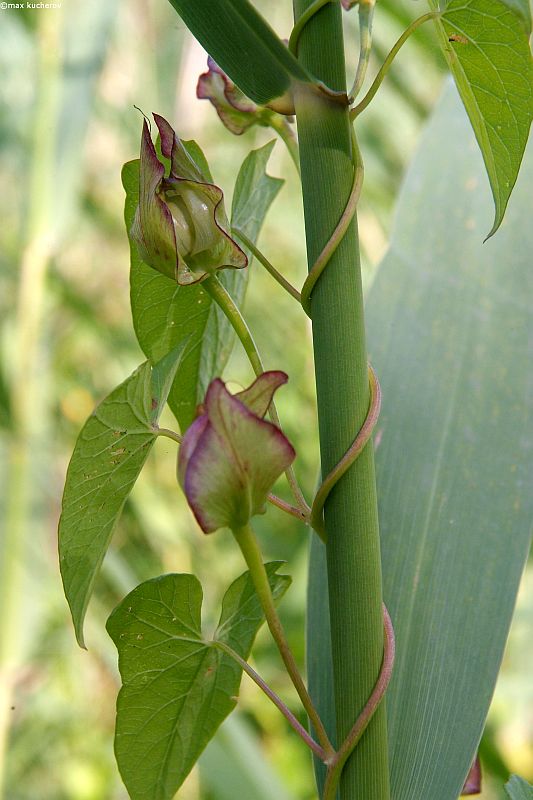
(278,702)
(288,508)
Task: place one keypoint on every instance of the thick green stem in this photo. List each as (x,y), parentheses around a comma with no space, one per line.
(353,557)
(219,294)
(252,555)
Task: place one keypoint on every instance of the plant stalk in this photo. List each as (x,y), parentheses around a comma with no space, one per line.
(353,556)
(252,555)
(378,80)
(219,294)
(278,702)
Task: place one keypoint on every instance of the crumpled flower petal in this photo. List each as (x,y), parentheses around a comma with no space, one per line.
(180,225)
(237,112)
(231,457)
(235,109)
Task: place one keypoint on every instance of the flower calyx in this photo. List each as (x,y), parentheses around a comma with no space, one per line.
(231,456)
(235,109)
(180,225)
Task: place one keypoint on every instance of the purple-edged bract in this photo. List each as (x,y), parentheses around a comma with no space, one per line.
(231,456)
(180,225)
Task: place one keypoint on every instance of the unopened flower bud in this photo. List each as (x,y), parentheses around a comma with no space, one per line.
(180,225)
(231,456)
(235,109)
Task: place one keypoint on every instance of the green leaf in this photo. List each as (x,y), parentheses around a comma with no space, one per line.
(108,456)
(487,48)
(519,789)
(243,45)
(448,324)
(177,686)
(233,765)
(255,191)
(164,314)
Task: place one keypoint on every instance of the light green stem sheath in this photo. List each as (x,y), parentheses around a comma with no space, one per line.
(219,294)
(252,555)
(378,80)
(336,306)
(302,21)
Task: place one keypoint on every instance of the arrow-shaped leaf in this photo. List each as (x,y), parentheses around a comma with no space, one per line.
(486,43)
(177,686)
(107,459)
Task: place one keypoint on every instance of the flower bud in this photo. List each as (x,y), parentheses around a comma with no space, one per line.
(180,224)
(231,456)
(235,109)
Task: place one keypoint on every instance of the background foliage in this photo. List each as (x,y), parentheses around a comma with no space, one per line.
(70,78)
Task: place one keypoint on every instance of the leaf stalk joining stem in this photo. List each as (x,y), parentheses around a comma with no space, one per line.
(247,542)
(378,80)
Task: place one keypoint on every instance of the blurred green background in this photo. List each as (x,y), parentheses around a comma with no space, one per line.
(69,80)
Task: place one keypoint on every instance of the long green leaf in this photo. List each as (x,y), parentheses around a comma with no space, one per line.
(233,765)
(244,45)
(164,313)
(109,454)
(448,325)
(519,789)
(177,687)
(486,43)
(255,191)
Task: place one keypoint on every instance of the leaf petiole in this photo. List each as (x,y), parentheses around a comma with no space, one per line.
(366,15)
(168,434)
(278,702)
(378,80)
(270,268)
(247,542)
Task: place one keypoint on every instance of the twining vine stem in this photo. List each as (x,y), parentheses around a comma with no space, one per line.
(278,702)
(366,15)
(270,268)
(252,555)
(223,299)
(378,80)
(341,756)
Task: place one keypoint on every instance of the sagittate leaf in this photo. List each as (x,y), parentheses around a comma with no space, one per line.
(255,191)
(164,314)
(244,45)
(486,43)
(519,789)
(109,454)
(448,329)
(177,686)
